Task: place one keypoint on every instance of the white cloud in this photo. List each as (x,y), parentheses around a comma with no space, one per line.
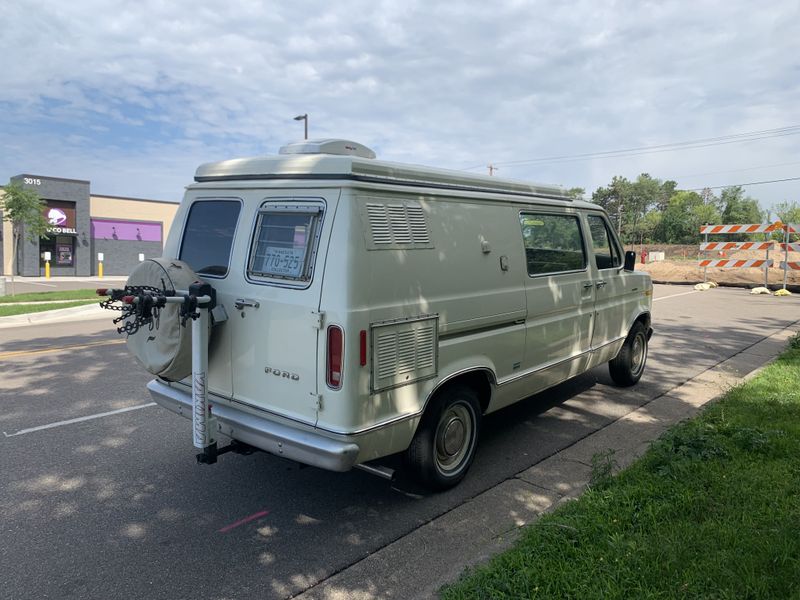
(134,95)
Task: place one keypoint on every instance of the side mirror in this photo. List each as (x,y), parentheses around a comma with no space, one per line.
(630,260)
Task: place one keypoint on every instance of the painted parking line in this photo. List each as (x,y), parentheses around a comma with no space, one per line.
(78,420)
(252,517)
(59,349)
(37,283)
(674,295)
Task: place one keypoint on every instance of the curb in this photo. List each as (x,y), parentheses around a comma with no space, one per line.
(76,313)
(439,551)
(794,288)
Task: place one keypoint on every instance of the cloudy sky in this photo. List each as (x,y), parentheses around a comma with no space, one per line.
(134,95)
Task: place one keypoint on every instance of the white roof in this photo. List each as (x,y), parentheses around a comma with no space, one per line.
(342,159)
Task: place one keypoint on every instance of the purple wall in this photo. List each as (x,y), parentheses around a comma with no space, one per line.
(109,229)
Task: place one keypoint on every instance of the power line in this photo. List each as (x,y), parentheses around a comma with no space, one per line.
(719,187)
(735,138)
(695,175)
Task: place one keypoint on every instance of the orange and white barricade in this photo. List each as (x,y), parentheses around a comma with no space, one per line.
(755,228)
(736,246)
(737,264)
(730,229)
(765,263)
(787,246)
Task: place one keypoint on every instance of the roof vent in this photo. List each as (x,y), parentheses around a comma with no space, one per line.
(340,147)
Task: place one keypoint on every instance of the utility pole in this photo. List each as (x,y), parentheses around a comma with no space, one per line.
(492,169)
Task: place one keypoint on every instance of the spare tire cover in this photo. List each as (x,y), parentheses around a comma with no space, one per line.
(166,348)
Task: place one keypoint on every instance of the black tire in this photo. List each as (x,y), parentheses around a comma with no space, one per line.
(627,368)
(444,445)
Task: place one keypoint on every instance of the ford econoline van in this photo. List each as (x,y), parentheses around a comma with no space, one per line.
(367,308)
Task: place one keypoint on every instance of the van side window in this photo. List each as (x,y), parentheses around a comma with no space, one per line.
(286,242)
(606,253)
(553,243)
(208,236)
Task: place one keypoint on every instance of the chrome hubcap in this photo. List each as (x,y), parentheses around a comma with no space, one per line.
(453,438)
(638,353)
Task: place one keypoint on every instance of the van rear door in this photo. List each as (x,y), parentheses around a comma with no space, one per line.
(275,320)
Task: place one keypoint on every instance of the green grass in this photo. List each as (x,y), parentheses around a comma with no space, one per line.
(43,296)
(23,309)
(711,511)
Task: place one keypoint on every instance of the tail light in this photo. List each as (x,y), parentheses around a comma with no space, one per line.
(335,357)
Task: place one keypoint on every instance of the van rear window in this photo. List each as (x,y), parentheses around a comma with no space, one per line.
(208,236)
(286,242)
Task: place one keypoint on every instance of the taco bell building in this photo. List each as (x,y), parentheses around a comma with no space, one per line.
(85,226)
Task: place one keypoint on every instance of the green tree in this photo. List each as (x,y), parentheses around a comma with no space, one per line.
(644,193)
(685,213)
(576,192)
(24,209)
(738,208)
(787,212)
(650,225)
(629,202)
(614,198)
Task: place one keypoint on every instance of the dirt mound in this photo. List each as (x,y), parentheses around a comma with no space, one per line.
(677,269)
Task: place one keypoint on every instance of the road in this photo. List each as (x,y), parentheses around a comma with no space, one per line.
(115,507)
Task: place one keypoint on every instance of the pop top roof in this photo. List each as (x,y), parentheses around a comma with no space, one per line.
(344,159)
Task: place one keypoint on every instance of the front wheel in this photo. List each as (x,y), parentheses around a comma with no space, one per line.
(627,368)
(444,445)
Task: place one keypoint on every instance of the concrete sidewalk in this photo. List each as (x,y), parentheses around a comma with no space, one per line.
(418,564)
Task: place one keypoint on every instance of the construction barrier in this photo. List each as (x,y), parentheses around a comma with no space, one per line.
(762,228)
(765,263)
(737,246)
(737,264)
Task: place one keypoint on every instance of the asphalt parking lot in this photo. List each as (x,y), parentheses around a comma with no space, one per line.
(101,497)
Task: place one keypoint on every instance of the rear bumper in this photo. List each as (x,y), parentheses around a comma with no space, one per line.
(305,446)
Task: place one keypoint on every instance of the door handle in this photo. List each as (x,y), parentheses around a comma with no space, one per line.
(587,285)
(240,303)
(601,284)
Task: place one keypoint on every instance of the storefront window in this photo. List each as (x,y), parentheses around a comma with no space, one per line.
(64,251)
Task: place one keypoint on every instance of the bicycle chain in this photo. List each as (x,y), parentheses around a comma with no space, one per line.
(146,312)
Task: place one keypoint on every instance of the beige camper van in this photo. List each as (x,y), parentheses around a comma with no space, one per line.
(364,308)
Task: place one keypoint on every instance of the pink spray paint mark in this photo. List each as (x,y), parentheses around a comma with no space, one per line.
(252,517)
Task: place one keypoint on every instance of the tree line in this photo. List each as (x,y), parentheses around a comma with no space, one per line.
(651,211)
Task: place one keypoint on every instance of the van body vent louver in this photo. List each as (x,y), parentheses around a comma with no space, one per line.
(405,351)
(396,226)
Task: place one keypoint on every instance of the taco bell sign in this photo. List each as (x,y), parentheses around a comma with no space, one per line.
(60,218)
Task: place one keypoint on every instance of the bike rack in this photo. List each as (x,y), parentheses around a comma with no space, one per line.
(143,304)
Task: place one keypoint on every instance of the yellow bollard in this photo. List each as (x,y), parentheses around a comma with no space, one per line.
(100,269)
(47,269)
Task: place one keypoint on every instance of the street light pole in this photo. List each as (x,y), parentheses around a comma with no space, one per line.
(303,118)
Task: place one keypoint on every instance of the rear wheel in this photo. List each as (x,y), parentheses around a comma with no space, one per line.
(443,447)
(627,368)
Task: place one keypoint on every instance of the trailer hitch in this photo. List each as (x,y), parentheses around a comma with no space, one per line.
(209,454)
